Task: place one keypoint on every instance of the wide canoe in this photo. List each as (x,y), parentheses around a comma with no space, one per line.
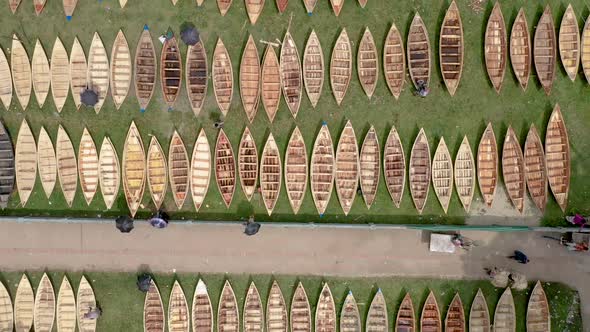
(341,67)
(557,153)
(296,170)
(545,53)
(420,170)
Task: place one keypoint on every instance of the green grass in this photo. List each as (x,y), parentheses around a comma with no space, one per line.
(474,104)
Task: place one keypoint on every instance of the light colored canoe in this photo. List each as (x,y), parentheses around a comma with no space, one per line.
(325,313)
(67,168)
(122,3)
(248,164)
(479,315)
(282,5)
(69,7)
(337,6)
(6,313)
(300,314)
(41,74)
(394,166)
(367,63)
(495,47)
(442,174)
(487,165)
(363,3)
(455,320)
(174,2)
(146,68)
(134,174)
(200,169)
(202,312)
(430,318)
(569,42)
(13,4)
(121,69)
(341,66)
(394,61)
(223,77)
(271,82)
(228,318)
(196,76)
(44,312)
(313,68)
(309,5)
(21,72)
(78,72)
(520,49)
(178,315)
(505,315)
(66,307)
(253,310)
(60,74)
(223,6)
(418,48)
(46,162)
(465,174)
(98,71)
(5,81)
(296,170)
(153,310)
(109,172)
(250,79)
(350,319)
(225,168)
(557,154)
(535,168)
(157,172)
(513,169)
(347,168)
(290,68)
(25,162)
(545,53)
(88,166)
(270,175)
(377,320)
(170,71)
(420,170)
(7,170)
(24,305)
(178,169)
(451,47)
(322,169)
(584,51)
(39,5)
(254,9)
(538,317)
(406,320)
(276,310)
(370,167)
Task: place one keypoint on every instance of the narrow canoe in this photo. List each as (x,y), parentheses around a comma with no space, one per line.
(322,169)
(44,311)
(178,314)
(313,68)
(545,44)
(276,310)
(88,166)
(430,319)
(46,162)
(121,70)
(569,43)
(7,315)
(170,71)
(367,63)
(337,6)
(67,167)
(202,312)
(538,317)
(442,174)
(282,5)
(394,61)
(254,9)
(557,154)
(370,167)
(40,74)
(146,67)
(122,3)
(133,173)
(25,162)
(223,77)
(157,172)
(465,174)
(7,170)
(377,320)
(98,70)
(325,313)
(394,166)
(60,74)
(487,165)
(69,7)
(479,315)
(296,170)
(196,76)
(455,320)
(585,51)
(347,168)
(253,310)
(39,5)
(66,307)
(420,171)
(250,79)
(178,169)
(109,173)
(5,81)
(341,66)
(200,169)
(271,82)
(21,72)
(24,305)
(248,164)
(225,168)
(520,49)
(495,47)
(290,69)
(228,318)
(78,72)
(350,319)
(153,310)
(406,320)
(300,313)
(513,169)
(535,168)
(505,315)
(270,175)
(310,5)
(14,5)
(418,49)
(451,48)
(223,6)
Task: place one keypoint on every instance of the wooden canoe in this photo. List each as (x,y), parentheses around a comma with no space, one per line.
(451,48)
(545,44)
(66,307)
(350,319)
(78,72)
(146,68)
(21,72)
(225,168)
(202,312)
(5,81)
(420,169)
(322,169)
(253,310)
(122,3)
(153,310)
(88,166)
(39,5)
(178,169)
(109,172)
(270,175)
(254,9)
(455,320)
(178,314)
(276,310)
(394,61)
(13,4)
(513,169)
(557,154)
(98,70)
(174,2)
(520,49)
(196,76)
(271,82)
(290,69)
(569,43)
(24,305)
(228,318)
(309,5)
(347,168)
(363,3)
(223,6)
(200,169)
(121,70)
(325,313)
(341,66)
(296,170)
(69,7)
(248,164)
(394,166)
(505,315)
(67,167)
(133,174)
(430,319)
(40,74)
(313,68)
(223,77)
(282,5)
(465,174)
(487,165)
(157,172)
(535,168)
(377,320)
(60,74)
(7,170)
(170,71)
(6,313)
(370,167)
(300,313)
(538,316)
(442,174)
(250,79)
(479,315)
(337,6)
(25,162)
(584,52)
(367,63)
(44,311)
(46,162)
(419,62)
(406,320)
(495,47)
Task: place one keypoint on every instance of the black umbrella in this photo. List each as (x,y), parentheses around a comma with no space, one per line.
(124,224)
(89,97)
(144,281)
(189,34)
(252,228)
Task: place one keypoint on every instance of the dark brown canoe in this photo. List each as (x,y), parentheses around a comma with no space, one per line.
(170,71)
(430,319)
(520,49)
(418,49)
(406,321)
(545,53)
(455,321)
(495,47)
(225,168)
(513,169)
(7,170)
(196,76)
(451,48)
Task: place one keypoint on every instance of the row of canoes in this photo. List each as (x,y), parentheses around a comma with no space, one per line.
(42,309)
(69,6)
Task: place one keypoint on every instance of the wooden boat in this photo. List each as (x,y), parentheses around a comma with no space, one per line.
(337,6)
(313,68)
(270,175)
(98,71)
(418,49)
(178,169)
(544,52)
(225,168)
(202,311)
(248,164)
(253,310)
(394,166)
(322,169)
(122,3)
(394,61)
(134,174)
(347,168)
(300,311)
(254,9)
(46,162)
(40,74)
(66,307)
(479,315)
(24,305)
(39,5)
(310,5)
(196,76)
(153,310)
(406,320)
(21,72)
(223,77)
(535,168)
(276,310)
(296,170)
(495,47)
(78,72)
(505,315)
(350,319)
(538,316)
(200,169)
(430,319)
(455,321)
(367,63)
(451,47)
(465,174)
(442,174)
(88,166)
(13,4)
(370,167)
(377,317)
(487,165)
(223,6)
(290,69)
(520,49)
(174,2)
(109,173)
(250,79)
(325,313)
(7,170)
(121,69)
(420,171)
(25,162)
(228,318)
(67,167)
(170,71)
(584,52)
(282,5)
(178,315)
(6,313)
(569,43)
(271,82)
(146,68)
(341,66)
(557,154)
(363,3)
(513,169)
(69,7)
(60,74)
(5,81)
(157,172)
(44,311)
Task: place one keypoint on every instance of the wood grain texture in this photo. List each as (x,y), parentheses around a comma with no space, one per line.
(98,71)
(200,169)
(67,167)
(25,162)
(46,162)
(60,74)
(88,166)
(322,169)
(109,174)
